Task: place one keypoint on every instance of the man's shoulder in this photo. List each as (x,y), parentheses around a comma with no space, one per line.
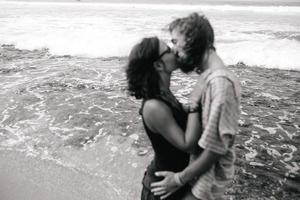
(222,75)
(223,85)
(223,79)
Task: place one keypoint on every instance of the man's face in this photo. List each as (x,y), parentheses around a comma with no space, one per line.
(179,43)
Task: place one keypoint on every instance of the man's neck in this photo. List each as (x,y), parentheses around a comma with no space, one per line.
(213,61)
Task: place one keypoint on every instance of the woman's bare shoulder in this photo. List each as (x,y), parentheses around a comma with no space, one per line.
(154,105)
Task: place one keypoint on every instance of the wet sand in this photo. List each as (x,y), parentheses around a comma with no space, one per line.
(65,119)
(29,178)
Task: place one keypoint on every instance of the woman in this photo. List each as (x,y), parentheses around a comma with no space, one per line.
(151,63)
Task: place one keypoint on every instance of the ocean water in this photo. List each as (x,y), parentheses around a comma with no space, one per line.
(262,35)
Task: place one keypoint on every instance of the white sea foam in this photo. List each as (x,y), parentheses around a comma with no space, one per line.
(252,153)
(289,156)
(266,36)
(268,53)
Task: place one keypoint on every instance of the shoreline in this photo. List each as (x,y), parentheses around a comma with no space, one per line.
(45,52)
(45,96)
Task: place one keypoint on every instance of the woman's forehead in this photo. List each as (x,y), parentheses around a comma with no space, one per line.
(162,45)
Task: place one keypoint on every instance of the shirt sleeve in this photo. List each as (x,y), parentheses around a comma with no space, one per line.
(222,121)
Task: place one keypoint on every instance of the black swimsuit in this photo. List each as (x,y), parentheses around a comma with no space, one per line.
(167,157)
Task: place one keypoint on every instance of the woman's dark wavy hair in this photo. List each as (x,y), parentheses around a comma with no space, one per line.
(142,78)
(199,36)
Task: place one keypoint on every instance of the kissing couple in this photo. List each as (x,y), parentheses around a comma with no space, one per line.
(193,144)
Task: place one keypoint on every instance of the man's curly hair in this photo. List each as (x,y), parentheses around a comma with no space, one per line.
(199,37)
(142,78)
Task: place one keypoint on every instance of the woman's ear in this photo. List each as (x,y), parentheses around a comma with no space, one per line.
(159,65)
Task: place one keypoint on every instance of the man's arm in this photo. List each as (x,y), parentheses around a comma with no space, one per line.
(171,183)
(201,165)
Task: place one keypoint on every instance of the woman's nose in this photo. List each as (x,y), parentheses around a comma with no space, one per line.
(175,51)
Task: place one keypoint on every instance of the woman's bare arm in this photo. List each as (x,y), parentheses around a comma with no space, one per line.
(159,118)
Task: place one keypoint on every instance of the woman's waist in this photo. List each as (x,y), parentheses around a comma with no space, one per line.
(166,164)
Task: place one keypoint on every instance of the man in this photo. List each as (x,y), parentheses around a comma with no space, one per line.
(210,171)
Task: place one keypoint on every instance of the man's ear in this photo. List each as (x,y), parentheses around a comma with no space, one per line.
(159,65)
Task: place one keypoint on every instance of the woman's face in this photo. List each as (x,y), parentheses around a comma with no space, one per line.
(167,56)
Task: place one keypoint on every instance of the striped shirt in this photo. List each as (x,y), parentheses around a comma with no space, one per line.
(220,103)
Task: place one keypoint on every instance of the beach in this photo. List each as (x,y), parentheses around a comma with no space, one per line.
(69,128)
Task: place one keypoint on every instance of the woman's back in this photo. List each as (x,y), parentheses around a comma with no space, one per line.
(167,157)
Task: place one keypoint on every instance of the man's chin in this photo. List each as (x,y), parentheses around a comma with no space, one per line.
(184,65)
(186,68)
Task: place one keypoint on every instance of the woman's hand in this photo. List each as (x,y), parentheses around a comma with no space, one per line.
(167,186)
